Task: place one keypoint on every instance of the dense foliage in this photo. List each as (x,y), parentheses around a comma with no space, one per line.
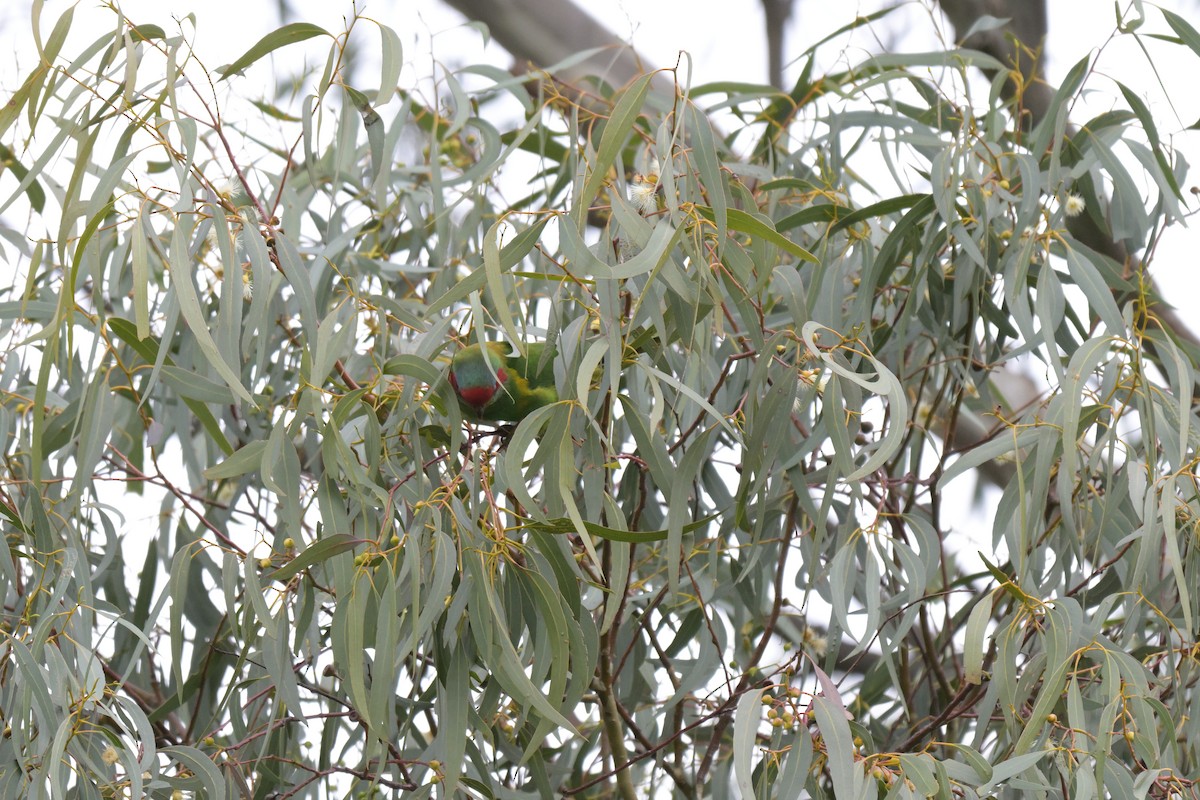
(253,548)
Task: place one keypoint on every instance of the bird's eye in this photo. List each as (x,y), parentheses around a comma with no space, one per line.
(501,375)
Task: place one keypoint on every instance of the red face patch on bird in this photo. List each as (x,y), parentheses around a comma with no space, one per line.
(478,396)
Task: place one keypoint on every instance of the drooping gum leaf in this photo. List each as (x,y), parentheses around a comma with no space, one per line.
(624,114)
(148,349)
(281,37)
(973,649)
(746,718)
(392,61)
(743,222)
(180,267)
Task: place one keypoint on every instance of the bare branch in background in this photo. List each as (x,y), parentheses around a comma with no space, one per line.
(778,13)
(542,34)
(1018,43)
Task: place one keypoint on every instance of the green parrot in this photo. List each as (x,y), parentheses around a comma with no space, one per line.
(511,389)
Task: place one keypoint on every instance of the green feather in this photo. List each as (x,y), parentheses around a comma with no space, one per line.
(528,381)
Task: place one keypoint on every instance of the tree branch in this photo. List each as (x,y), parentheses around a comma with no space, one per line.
(1019,43)
(542,34)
